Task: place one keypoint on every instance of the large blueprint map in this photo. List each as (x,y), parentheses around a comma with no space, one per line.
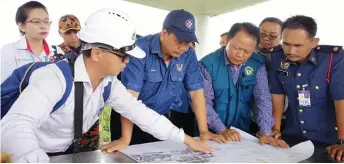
(248,150)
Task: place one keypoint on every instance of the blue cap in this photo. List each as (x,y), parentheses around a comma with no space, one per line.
(182,24)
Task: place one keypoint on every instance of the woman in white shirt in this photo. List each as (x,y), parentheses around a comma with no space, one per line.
(33,22)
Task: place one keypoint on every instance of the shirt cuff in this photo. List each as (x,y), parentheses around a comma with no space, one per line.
(218,129)
(133,87)
(265,130)
(195,87)
(177,135)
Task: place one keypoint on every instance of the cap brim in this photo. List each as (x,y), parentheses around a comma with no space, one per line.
(64,31)
(184,36)
(137,52)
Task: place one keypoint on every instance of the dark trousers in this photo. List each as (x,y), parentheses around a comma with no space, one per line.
(181,120)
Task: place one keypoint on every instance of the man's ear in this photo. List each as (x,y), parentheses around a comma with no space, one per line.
(315,42)
(95,54)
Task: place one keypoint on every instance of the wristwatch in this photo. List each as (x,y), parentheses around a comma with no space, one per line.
(340,142)
(259,134)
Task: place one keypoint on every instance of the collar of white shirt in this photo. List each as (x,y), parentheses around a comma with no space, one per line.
(81,74)
(22,44)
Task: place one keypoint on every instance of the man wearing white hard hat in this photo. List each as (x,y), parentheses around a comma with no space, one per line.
(30,130)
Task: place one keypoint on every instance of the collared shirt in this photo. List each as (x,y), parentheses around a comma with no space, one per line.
(260,92)
(157,84)
(19,53)
(29,131)
(317,122)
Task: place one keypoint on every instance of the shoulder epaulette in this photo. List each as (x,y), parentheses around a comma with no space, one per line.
(328,48)
(276,49)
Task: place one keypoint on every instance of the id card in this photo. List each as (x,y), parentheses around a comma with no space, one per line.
(304,98)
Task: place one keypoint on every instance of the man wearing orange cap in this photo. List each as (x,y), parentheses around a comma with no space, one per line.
(69,25)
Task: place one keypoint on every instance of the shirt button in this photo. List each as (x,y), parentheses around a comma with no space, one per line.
(302,122)
(317,87)
(298,74)
(336,128)
(300,110)
(304,132)
(282,82)
(298,86)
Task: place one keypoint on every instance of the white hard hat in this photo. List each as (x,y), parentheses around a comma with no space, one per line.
(113,28)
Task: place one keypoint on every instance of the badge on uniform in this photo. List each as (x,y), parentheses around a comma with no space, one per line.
(179,67)
(285,65)
(248,71)
(304,97)
(282,72)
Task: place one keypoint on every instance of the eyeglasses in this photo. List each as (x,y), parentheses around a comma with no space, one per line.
(123,57)
(270,37)
(38,22)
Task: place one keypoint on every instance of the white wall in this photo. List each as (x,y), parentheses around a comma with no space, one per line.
(328,14)
(149,20)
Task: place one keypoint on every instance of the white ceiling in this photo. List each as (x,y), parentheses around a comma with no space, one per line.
(199,7)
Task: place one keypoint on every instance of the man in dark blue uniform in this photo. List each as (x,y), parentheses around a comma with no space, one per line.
(170,64)
(312,77)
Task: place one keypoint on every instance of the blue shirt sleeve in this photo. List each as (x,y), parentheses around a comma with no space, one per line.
(262,97)
(337,77)
(193,78)
(132,76)
(275,85)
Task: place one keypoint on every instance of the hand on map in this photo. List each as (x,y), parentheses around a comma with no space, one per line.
(116,145)
(336,152)
(275,142)
(197,145)
(231,135)
(214,137)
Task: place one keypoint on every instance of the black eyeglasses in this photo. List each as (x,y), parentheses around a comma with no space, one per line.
(123,57)
(38,22)
(270,37)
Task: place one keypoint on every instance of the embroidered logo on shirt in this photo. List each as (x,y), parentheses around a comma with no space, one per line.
(179,67)
(153,70)
(248,71)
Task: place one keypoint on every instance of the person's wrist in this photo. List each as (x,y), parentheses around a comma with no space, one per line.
(187,140)
(261,134)
(125,139)
(340,141)
(276,128)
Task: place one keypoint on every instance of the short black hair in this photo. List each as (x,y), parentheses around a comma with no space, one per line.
(250,28)
(224,34)
(86,53)
(301,22)
(23,11)
(272,20)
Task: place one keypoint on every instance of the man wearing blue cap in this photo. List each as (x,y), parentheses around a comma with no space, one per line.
(170,64)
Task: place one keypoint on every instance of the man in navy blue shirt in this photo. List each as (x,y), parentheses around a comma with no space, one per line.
(312,77)
(170,64)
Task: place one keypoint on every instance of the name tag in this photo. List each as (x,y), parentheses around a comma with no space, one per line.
(304,98)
